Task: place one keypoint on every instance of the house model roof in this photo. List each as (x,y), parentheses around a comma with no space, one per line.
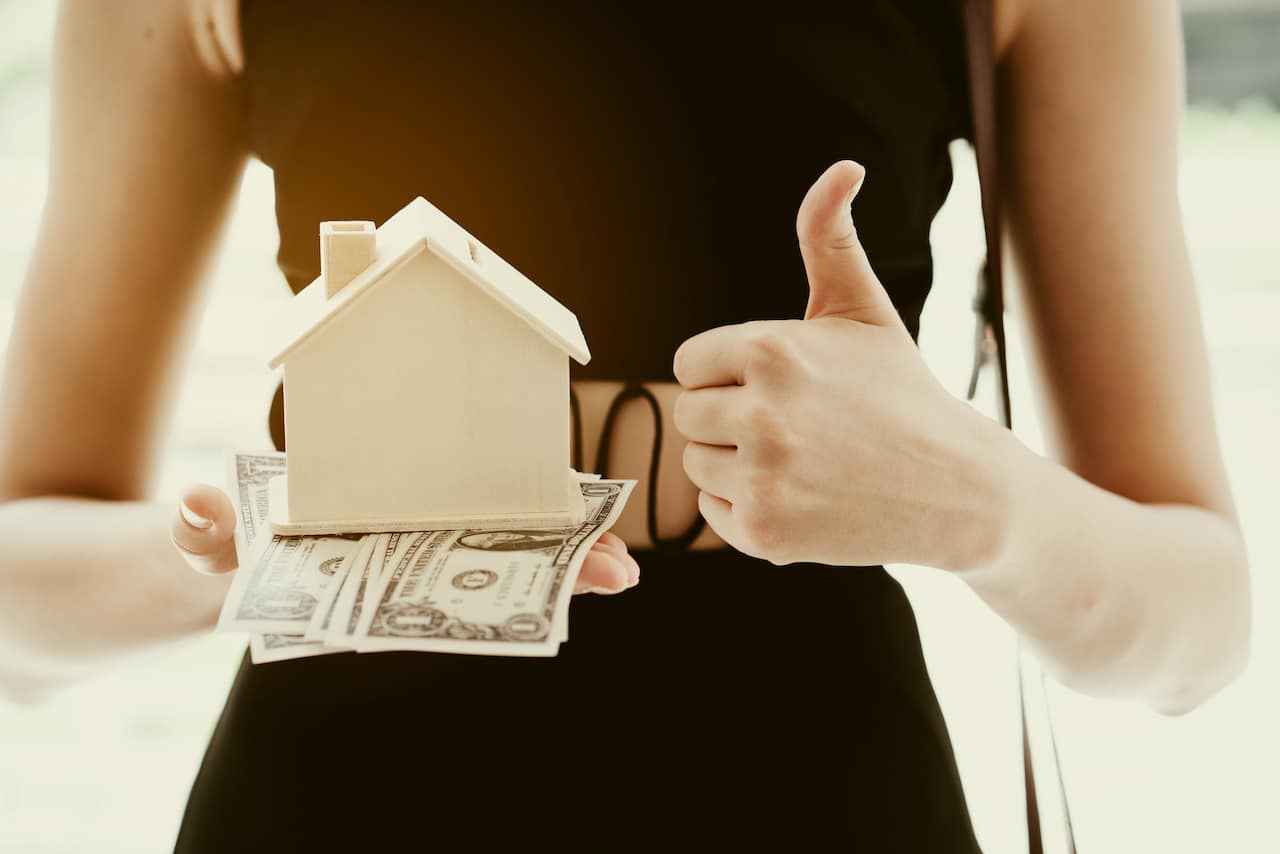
(418,227)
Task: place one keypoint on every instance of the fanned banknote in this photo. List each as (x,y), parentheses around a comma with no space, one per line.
(248,475)
(486,592)
(480,592)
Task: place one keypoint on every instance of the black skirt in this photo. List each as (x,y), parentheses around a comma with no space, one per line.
(724,703)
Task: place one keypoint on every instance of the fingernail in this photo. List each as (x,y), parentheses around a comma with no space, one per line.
(194,519)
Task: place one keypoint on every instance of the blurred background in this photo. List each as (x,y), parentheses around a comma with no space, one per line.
(105,767)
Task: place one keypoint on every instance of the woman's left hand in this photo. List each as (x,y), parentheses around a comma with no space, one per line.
(609,568)
(828,439)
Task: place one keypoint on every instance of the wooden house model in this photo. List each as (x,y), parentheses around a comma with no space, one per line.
(426,386)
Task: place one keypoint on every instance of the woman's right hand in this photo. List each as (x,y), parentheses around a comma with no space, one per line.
(203,529)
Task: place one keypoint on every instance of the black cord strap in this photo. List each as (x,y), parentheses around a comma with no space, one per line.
(629,391)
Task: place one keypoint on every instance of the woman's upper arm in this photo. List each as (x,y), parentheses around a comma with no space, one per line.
(147,150)
(1091,99)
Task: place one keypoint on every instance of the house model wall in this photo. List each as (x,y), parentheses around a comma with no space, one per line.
(426,386)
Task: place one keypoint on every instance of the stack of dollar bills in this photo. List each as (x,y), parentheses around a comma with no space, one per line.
(470,591)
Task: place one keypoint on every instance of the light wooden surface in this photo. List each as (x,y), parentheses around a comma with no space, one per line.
(281,523)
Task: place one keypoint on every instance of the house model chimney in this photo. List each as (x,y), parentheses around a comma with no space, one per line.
(346,248)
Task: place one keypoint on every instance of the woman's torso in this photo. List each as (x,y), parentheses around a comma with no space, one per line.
(644,166)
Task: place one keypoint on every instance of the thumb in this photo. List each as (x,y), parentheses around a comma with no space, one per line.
(203,529)
(841,281)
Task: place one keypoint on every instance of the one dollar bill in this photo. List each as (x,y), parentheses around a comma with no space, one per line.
(483,592)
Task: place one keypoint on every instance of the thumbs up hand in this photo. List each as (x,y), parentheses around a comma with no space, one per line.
(828,439)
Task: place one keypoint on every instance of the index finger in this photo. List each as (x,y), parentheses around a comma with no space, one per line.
(712,358)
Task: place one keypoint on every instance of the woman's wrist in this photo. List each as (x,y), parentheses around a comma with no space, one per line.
(990,461)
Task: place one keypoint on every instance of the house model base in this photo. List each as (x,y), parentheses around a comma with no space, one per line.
(278,515)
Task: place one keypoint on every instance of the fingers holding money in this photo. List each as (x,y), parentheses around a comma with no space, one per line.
(608,567)
(203,529)
(615,544)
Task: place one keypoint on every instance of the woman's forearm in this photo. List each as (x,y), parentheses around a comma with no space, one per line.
(1117,597)
(83,582)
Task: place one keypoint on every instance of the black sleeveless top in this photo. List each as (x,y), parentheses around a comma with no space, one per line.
(644,166)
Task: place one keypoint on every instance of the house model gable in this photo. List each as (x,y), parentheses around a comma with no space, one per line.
(421,226)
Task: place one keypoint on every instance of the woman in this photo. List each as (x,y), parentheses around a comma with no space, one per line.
(646,169)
